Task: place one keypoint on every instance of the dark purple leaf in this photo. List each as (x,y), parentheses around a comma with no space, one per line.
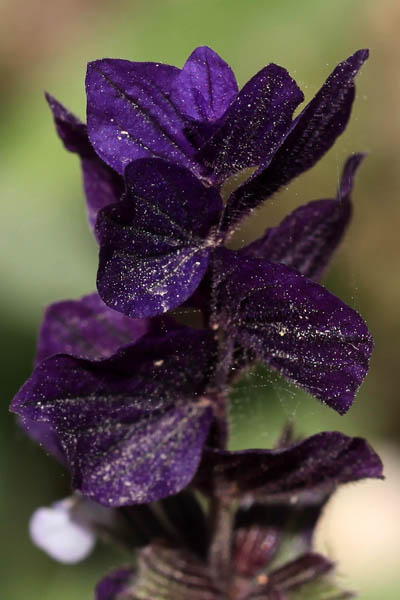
(156,244)
(254,124)
(132,426)
(318,464)
(311,135)
(114,585)
(307,238)
(87,328)
(205,87)
(102,184)
(131,115)
(295,325)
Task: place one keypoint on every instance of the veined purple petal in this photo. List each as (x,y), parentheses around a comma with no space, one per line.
(87,328)
(131,114)
(205,87)
(132,426)
(302,471)
(113,585)
(307,238)
(156,244)
(102,184)
(311,135)
(295,325)
(254,125)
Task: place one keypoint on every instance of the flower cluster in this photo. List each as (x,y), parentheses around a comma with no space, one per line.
(134,402)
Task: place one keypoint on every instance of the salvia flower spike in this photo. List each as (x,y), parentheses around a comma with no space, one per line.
(134,403)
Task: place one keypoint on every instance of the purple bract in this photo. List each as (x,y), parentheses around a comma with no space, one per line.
(132,426)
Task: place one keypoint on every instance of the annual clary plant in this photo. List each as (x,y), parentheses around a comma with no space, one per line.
(134,402)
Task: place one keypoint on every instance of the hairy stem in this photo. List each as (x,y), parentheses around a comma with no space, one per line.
(219,558)
(221,416)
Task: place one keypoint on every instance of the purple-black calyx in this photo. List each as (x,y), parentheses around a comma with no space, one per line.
(133,402)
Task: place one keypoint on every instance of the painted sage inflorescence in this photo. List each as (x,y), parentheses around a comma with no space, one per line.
(134,402)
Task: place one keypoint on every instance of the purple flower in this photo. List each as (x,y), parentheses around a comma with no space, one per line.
(115,400)
(84,328)
(157,242)
(126,401)
(197,118)
(132,426)
(162,240)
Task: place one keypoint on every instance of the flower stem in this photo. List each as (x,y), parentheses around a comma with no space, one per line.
(220,407)
(219,558)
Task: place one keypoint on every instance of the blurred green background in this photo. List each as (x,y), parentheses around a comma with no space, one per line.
(48,253)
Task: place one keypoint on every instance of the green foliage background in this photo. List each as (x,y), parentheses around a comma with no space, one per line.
(47,252)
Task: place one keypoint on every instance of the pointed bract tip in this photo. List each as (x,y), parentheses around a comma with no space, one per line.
(52,102)
(349,172)
(358,59)
(363,53)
